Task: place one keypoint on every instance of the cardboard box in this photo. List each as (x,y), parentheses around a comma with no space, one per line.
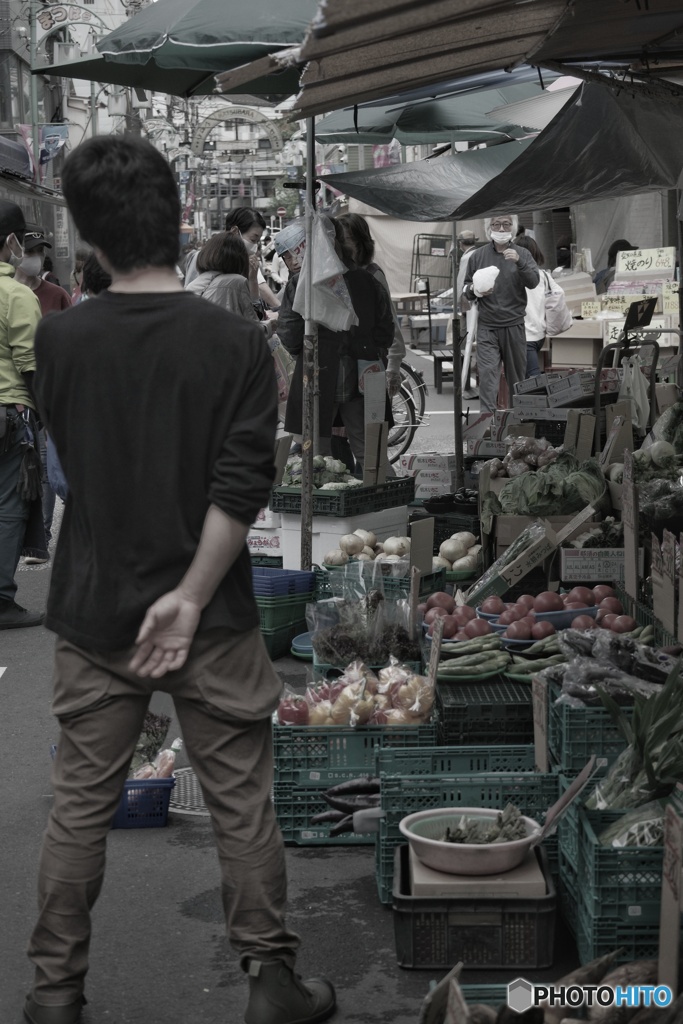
(543,414)
(412,464)
(594,565)
(267,519)
(486,449)
(326,531)
(500,577)
(507,529)
(434,476)
(265,542)
(431,490)
(535,401)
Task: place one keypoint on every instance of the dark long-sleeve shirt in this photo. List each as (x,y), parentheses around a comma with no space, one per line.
(159,405)
(506,305)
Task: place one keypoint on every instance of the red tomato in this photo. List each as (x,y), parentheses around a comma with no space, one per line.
(518,631)
(540,630)
(513,614)
(477,627)
(462,616)
(527,599)
(602,591)
(585,596)
(583,622)
(466,611)
(548,601)
(437,612)
(461,636)
(608,619)
(493,606)
(572,605)
(450,627)
(613,604)
(623,624)
(441,600)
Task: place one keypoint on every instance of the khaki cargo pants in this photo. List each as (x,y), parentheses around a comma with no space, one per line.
(224,696)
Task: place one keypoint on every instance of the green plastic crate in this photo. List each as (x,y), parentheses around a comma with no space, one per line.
(568,890)
(394,586)
(490,995)
(618,884)
(597,936)
(489,932)
(352,502)
(455,761)
(489,712)
(401,795)
(267,561)
(294,808)
(279,641)
(576,733)
(321,756)
(275,612)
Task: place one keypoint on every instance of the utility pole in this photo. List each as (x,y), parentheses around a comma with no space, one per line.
(33,86)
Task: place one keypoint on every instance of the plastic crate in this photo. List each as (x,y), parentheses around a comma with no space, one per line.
(454,522)
(488,712)
(275,612)
(552,430)
(144,803)
(393,586)
(279,641)
(352,502)
(576,733)
(321,756)
(490,995)
(568,891)
(271,561)
(294,808)
(597,936)
(270,582)
(447,760)
(436,932)
(401,795)
(618,884)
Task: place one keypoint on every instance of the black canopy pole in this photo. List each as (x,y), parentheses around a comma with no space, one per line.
(309,362)
(457,373)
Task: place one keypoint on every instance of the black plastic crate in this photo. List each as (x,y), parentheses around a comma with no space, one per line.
(535,582)
(489,712)
(494,933)
(353,502)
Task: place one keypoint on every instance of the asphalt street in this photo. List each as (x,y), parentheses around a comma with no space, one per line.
(159,952)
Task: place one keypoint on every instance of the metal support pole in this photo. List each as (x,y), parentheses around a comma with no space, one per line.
(33,86)
(308,426)
(94,125)
(457,374)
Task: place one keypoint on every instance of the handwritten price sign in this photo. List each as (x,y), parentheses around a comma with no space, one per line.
(633,262)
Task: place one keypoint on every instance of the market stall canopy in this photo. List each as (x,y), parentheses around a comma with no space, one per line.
(368,49)
(601,145)
(173,81)
(210,34)
(448,119)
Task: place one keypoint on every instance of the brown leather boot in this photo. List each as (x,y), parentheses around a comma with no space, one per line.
(278,996)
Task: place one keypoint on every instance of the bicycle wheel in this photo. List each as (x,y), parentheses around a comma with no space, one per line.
(413,381)
(405,424)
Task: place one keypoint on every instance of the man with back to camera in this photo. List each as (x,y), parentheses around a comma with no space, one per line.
(19,318)
(151,586)
(500,327)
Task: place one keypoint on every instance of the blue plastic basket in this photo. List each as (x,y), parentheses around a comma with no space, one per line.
(144,803)
(281,582)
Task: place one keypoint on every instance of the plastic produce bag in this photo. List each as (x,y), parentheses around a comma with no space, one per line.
(331,303)
(585,678)
(642,827)
(483,280)
(633,389)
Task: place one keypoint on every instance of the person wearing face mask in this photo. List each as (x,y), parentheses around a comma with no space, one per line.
(501,306)
(250,225)
(20,518)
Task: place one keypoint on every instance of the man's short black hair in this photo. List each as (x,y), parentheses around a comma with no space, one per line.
(124,200)
(95,277)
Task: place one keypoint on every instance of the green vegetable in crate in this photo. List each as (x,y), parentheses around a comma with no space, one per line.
(643,826)
(508,826)
(652,763)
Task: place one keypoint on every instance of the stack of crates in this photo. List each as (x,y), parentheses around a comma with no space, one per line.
(494,712)
(281,597)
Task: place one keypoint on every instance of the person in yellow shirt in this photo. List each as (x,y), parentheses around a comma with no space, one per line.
(19,318)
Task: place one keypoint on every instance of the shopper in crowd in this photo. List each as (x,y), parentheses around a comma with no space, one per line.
(76,278)
(603,278)
(362,245)
(501,306)
(48,272)
(21,525)
(338,351)
(151,587)
(52,299)
(223,265)
(534,320)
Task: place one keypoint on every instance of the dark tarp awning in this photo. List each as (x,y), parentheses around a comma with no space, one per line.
(359,50)
(601,145)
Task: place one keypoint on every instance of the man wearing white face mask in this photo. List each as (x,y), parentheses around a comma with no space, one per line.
(19,318)
(502,306)
(52,297)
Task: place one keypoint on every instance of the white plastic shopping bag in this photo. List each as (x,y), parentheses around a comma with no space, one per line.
(634,390)
(331,303)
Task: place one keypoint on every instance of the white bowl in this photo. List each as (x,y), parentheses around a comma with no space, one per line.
(465,858)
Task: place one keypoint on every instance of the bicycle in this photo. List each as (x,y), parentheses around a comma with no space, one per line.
(408,410)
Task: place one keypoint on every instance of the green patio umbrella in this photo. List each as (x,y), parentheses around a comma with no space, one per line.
(210,34)
(184,82)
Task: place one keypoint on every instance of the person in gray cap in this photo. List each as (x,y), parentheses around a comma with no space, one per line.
(19,318)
